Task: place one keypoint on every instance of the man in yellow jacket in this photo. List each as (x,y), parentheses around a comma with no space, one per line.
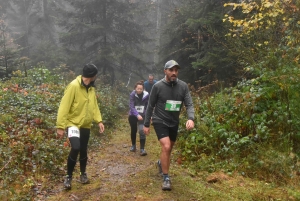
(78,109)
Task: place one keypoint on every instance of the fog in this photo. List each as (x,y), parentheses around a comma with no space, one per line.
(123,38)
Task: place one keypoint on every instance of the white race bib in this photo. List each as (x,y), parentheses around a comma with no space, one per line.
(73,131)
(139,109)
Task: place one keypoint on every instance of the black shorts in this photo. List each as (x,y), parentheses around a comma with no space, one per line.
(164,131)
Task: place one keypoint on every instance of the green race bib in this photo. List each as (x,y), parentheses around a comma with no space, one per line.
(173,106)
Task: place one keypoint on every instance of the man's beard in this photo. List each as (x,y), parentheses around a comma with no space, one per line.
(173,78)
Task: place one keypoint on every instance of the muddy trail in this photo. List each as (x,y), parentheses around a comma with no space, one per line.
(117,174)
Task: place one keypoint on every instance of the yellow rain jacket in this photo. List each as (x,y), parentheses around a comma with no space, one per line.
(78,106)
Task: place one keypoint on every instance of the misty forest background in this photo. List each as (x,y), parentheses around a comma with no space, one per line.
(241,59)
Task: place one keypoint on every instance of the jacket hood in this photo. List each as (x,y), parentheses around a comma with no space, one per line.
(145,94)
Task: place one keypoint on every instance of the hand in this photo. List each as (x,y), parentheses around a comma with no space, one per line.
(139,117)
(146,130)
(189,124)
(101,127)
(60,132)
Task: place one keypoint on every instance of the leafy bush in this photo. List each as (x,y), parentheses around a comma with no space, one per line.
(112,103)
(251,128)
(29,148)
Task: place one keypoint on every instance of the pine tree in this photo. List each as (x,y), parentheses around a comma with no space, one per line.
(195,37)
(8,51)
(105,32)
(32,23)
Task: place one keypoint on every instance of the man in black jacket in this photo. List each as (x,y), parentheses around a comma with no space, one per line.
(166,99)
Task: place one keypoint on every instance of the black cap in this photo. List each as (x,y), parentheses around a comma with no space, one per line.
(89,70)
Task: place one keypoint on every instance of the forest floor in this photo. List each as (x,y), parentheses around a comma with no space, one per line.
(117,174)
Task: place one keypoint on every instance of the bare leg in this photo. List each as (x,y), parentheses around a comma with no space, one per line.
(166,149)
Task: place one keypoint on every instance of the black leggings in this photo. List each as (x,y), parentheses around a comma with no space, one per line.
(78,146)
(134,125)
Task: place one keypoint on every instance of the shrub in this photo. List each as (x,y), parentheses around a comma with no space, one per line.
(29,148)
(251,128)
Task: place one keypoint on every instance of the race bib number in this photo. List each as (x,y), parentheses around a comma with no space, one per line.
(73,131)
(173,106)
(139,109)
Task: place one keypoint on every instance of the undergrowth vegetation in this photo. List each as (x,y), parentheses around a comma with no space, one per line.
(30,152)
(253,128)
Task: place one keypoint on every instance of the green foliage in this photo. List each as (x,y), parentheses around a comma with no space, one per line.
(251,128)
(112,101)
(265,34)
(29,148)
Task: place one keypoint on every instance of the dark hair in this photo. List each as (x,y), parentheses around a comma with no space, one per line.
(141,82)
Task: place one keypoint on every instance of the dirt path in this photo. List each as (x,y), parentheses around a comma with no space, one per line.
(117,174)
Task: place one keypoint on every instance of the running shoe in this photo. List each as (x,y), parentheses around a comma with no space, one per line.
(166,185)
(132,148)
(67,182)
(143,152)
(83,178)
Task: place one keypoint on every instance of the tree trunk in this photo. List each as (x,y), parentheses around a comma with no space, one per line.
(158,32)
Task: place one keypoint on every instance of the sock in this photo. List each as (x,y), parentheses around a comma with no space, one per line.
(165,176)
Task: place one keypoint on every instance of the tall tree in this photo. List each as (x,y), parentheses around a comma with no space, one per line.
(46,45)
(195,37)
(105,32)
(8,50)
(31,23)
(270,30)
(163,8)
